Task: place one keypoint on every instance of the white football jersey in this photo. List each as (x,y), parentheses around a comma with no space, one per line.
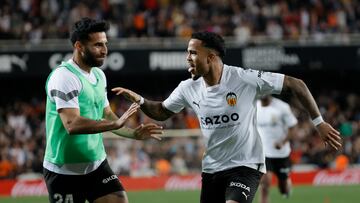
(274,121)
(227,115)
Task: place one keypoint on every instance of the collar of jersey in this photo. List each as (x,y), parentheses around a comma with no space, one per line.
(86,74)
(217,86)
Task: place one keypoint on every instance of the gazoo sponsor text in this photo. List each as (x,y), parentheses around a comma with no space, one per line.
(218,119)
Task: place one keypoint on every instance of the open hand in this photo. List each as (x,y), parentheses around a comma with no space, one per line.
(329,135)
(122,120)
(278,145)
(149,130)
(128,94)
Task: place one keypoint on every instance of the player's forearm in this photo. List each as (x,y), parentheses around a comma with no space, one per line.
(155,110)
(81,125)
(290,135)
(110,115)
(124,132)
(286,139)
(298,88)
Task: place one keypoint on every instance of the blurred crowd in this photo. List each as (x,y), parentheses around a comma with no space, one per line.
(34,20)
(22,139)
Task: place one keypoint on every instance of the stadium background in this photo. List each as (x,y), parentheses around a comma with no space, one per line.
(317,41)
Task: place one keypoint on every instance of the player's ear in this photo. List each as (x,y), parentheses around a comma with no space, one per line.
(78,46)
(210,57)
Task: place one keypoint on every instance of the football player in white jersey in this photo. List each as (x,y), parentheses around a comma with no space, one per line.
(224,99)
(276,124)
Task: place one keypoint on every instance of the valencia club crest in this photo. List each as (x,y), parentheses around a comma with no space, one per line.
(231,98)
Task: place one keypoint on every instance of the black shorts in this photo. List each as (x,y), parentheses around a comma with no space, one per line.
(238,184)
(280,166)
(78,188)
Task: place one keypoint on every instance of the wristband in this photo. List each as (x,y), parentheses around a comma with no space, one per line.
(141,102)
(317,121)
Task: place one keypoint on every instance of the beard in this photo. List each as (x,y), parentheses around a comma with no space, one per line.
(90,59)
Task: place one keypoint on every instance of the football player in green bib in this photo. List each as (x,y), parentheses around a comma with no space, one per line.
(77,112)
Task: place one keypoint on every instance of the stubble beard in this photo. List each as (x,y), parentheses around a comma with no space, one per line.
(90,60)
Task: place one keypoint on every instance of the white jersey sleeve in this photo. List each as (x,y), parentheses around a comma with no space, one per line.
(63,88)
(265,82)
(176,101)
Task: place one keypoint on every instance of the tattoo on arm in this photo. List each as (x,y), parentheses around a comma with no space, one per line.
(298,88)
(155,110)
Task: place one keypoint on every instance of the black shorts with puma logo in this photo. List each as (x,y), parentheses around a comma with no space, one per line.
(238,184)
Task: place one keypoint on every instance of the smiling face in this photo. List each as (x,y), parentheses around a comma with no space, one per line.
(94,51)
(198,58)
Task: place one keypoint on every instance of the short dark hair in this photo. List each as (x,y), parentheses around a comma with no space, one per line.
(85,26)
(211,40)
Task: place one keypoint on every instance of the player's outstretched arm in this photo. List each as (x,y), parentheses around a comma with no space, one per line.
(74,123)
(153,109)
(143,131)
(298,88)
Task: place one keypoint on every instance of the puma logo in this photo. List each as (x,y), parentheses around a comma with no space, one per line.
(197,104)
(246,196)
